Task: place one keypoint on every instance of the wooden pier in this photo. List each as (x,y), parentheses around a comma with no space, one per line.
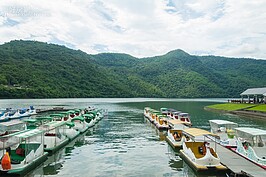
(237,164)
(52,109)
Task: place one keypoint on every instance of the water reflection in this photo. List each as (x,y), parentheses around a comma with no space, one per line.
(54,163)
(175,162)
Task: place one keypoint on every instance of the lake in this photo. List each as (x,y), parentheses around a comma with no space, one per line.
(124,143)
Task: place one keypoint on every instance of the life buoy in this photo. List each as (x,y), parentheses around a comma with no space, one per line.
(6,163)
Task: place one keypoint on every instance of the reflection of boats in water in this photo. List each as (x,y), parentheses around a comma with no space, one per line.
(161,134)
(54,162)
(175,162)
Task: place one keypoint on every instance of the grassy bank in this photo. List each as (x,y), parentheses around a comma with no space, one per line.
(232,106)
(261,108)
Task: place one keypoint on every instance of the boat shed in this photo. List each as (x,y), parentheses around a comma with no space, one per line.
(254,95)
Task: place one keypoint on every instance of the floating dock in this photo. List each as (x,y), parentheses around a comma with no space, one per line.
(237,164)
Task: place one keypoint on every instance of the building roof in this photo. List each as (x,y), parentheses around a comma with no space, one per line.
(255,91)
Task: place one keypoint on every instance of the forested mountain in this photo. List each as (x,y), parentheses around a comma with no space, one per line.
(31,69)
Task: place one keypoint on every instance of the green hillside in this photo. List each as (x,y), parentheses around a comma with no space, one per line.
(32,69)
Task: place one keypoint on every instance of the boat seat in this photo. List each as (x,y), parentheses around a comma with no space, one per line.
(16,158)
(22,150)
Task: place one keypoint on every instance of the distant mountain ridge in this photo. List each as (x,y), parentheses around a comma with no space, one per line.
(31,69)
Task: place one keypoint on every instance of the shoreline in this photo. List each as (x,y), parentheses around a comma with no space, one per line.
(250,114)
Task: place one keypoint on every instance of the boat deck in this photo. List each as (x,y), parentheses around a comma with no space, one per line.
(238,164)
(201,168)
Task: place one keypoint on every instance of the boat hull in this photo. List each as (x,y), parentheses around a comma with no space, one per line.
(260,165)
(176,146)
(25,169)
(52,150)
(199,168)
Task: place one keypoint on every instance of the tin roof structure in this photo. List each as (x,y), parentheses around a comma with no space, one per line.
(255,91)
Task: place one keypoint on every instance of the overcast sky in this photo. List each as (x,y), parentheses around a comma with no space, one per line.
(140,27)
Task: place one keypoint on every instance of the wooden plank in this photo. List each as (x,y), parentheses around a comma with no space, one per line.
(238,164)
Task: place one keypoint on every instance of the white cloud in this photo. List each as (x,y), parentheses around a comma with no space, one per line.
(140,27)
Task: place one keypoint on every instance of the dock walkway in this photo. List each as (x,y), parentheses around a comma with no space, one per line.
(51,109)
(237,164)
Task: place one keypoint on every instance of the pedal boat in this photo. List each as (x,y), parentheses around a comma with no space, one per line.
(174,135)
(161,122)
(54,136)
(26,155)
(226,131)
(89,119)
(70,131)
(199,151)
(251,144)
(80,124)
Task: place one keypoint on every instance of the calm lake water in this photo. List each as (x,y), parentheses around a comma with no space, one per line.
(124,143)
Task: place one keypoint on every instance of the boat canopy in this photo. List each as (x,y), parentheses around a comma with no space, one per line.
(70,112)
(12,126)
(178,124)
(55,124)
(177,112)
(88,116)
(4,137)
(194,132)
(171,110)
(222,122)
(218,124)
(176,121)
(250,131)
(70,124)
(161,116)
(29,133)
(163,109)
(92,112)
(256,137)
(30,120)
(183,114)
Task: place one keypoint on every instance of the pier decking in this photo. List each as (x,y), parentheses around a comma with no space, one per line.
(237,164)
(51,109)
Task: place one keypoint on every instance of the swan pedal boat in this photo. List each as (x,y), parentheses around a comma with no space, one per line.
(199,151)
(226,131)
(251,144)
(174,134)
(54,136)
(25,155)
